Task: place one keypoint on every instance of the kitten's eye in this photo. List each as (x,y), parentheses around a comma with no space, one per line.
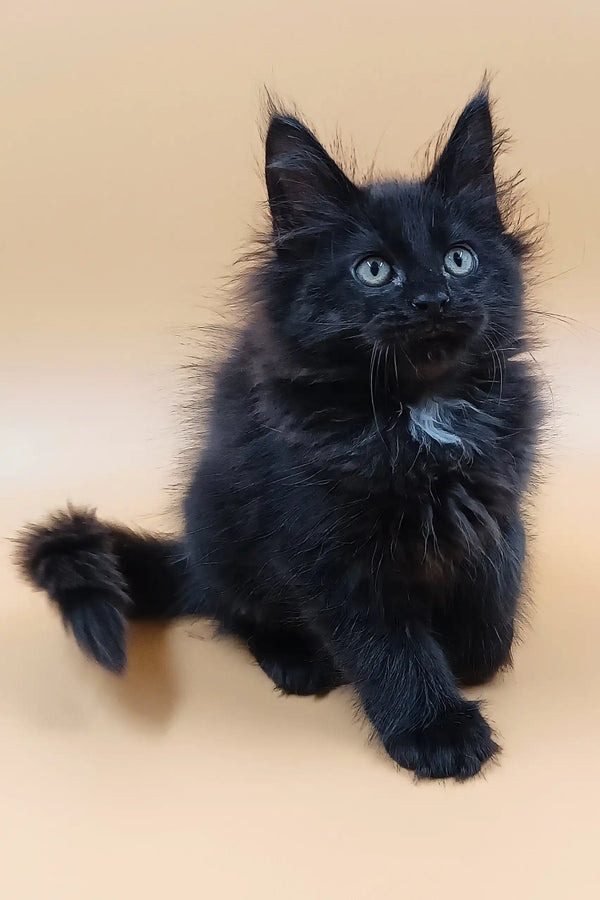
(460,261)
(373,271)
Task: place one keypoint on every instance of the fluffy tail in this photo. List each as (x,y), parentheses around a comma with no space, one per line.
(100,575)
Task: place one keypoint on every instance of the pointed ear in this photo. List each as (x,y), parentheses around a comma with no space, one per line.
(467,160)
(304,184)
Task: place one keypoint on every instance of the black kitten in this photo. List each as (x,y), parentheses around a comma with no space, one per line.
(355,516)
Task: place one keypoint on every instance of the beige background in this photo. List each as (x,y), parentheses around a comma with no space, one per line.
(130,161)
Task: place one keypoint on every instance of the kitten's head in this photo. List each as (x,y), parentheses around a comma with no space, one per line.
(426,267)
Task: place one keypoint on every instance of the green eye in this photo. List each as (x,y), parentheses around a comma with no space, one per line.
(460,261)
(373,271)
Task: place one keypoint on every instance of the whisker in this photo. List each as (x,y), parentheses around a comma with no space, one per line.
(373,372)
(411,363)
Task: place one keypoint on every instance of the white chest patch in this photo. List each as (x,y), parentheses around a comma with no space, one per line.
(442,422)
(432,421)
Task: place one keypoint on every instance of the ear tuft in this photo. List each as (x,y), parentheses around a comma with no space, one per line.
(468,157)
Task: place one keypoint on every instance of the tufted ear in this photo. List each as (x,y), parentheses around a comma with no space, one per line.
(303,182)
(467,160)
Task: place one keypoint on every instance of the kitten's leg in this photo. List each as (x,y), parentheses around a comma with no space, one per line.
(476,626)
(409,693)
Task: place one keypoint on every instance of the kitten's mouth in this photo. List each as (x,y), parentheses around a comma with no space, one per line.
(436,346)
(431,351)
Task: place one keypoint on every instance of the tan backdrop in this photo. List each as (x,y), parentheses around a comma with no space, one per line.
(130,168)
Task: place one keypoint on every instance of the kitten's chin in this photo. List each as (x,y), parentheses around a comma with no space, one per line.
(428,359)
(436,363)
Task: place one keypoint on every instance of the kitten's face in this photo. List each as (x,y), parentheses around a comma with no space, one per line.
(422,269)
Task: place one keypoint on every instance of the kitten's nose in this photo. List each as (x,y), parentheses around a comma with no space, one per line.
(431,303)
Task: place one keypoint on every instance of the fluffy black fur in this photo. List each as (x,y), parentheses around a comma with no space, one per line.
(356,514)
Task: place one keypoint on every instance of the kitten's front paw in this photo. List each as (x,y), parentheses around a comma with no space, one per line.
(303,677)
(455,745)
